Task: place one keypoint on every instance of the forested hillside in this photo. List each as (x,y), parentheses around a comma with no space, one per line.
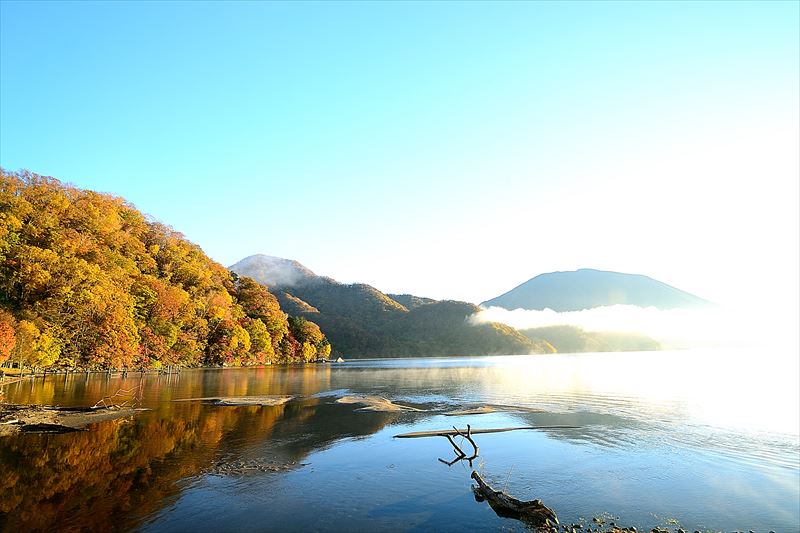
(572,339)
(361,321)
(87,280)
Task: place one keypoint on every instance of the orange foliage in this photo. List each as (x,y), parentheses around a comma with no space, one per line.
(7,337)
(112,289)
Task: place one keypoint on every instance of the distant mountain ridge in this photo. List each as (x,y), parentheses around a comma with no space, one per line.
(361,321)
(588,288)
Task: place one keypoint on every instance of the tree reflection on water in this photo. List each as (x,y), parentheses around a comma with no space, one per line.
(117,473)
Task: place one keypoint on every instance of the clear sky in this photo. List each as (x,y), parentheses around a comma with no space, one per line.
(451,150)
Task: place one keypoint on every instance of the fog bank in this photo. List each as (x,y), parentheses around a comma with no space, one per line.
(674,328)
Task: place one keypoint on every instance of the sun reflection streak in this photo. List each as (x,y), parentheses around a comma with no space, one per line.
(745,389)
(681,328)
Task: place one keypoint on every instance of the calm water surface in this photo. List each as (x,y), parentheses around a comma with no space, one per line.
(706,440)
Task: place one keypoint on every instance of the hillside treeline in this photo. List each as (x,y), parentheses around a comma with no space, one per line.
(364,322)
(572,339)
(361,321)
(87,280)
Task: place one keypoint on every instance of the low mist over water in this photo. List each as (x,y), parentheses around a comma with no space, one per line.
(709,327)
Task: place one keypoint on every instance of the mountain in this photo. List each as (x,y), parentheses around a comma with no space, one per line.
(361,321)
(587,288)
(411,301)
(87,280)
(273,271)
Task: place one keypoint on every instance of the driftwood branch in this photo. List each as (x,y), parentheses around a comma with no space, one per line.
(468,436)
(533,512)
(458,450)
(455,431)
(460,454)
(128,398)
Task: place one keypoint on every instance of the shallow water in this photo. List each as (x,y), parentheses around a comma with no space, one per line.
(706,440)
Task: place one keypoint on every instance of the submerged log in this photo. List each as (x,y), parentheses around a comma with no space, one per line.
(533,512)
(454,432)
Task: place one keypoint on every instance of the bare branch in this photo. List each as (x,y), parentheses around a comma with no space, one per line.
(458,450)
(454,431)
(133,398)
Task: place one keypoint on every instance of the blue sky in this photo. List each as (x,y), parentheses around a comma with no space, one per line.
(451,150)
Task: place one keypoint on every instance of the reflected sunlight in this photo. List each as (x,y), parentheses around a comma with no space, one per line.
(732,389)
(679,328)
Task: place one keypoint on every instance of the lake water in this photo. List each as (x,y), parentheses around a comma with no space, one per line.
(703,440)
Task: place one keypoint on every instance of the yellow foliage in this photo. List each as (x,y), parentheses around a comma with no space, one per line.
(94,283)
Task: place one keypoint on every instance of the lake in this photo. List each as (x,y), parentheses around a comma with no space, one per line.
(704,440)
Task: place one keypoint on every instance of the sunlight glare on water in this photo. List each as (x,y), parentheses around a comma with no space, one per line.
(723,388)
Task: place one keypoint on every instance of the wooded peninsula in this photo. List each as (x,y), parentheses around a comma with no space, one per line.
(86,280)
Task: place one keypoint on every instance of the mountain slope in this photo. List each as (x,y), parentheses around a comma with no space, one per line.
(572,339)
(273,271)
(361,321)
(87,280)
(588,288)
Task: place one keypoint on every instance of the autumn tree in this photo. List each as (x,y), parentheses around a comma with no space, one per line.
(312,343)
(34,348)
(88,280)
(8,338)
